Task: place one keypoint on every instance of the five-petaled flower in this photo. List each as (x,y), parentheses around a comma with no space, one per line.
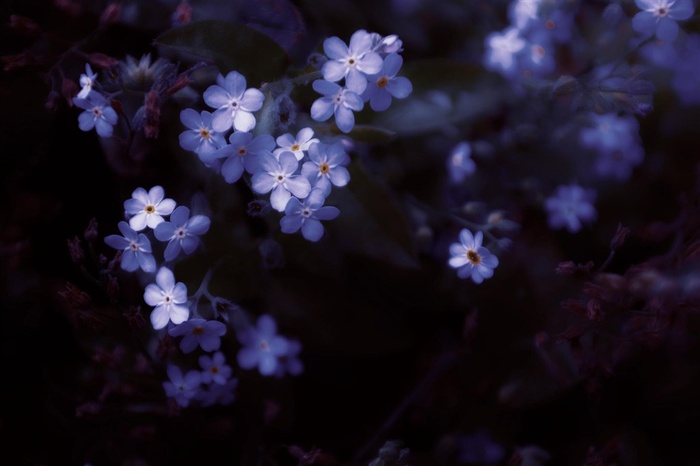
(470,258)
(278,176)
(659,17)
(200,138)
(326,166)
(182,388)
(262,346)
(234,103)
(296,145)
(307,215)
(570,206)
(205,333)
(98,114)
(214,368)
(147,209)
(181,232)
(353,62)
(136,249)
(169,299)
(385,84)
(337,101)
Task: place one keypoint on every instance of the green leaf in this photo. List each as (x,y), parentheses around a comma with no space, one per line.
(370,134)
(231,46)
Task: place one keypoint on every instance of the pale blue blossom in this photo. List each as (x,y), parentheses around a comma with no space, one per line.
(470,258)
(660,17)
(87,82)
(200,137)
(98,114)
(234,103)
(278,177)
(199,332)
(241,154)
(135,247)
(262,347)
(181,232)
(326,166)
(337,101)
(182,388)
(296,145)
(459,162)
(147,208)
(353,62)
(385,85)
(168,298)
(307,215)
(570,207)
(214,368)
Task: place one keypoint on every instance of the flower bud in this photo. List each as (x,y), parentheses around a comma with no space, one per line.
(77,255)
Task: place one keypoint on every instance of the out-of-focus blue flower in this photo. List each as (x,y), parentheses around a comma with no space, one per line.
(501,51)
(307,215)
(337,101)
(278,176)
(234,103)
(205,333)
(290,363)
(326,166)
(296,145)
(353,62)
(147,208)
(181,232)
(659,17)
(382,86)
(470,258)
(262,347)
(182,388)
(685,82)
(570,207)
(136,249)
(201,137)
(168,298)
(610,132)
(242,154)
(459,162)
(98,114)
(214,368)
(217,393)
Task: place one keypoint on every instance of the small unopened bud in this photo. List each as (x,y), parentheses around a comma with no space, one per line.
(566,268)
(112,287)
(473,208)
(102,61)
(317,60)
(111,14)
(286,113)
(24,25)
(117,106)
(134,318)
(258,208)
(181,82)
(593,310)
(75,297)
(75,249)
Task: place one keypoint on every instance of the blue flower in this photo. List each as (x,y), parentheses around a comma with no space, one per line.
(307,215)
(660,17)
(98,114)
(147,209)
(326,166)
(262,347)
(205,333)
(570,206)
(502,50)
(214,368)
(336,101)
(136,249)
(87,82)
(242,154)
(470,258)
(352,62)
(459,162)
(296,145)
(168,298)
(200,137)
(385,84)
(234,103)
(278,176)
(181,232)
(182,388)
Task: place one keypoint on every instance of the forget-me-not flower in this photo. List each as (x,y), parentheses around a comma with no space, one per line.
(296,145)
(570,207)
(326,166)
(205,333)
(353,62)
(181,232)
(201,138)
(242,154)
(214,368)
(337,101)
(307,215)
(98,114)
(87,82)
(168,298)
(182,388)
(262,347)
(470,258)
(234,103)
(385,85)
(659,17)
(147,208)
(136,249)
(279,177)
(459,162)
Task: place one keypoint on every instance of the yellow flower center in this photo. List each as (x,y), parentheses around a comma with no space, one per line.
(149,209)
(473,257)
(295,147)
(382,82)
(324,168)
